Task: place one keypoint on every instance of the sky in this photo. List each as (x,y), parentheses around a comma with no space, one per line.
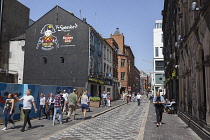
(134,18)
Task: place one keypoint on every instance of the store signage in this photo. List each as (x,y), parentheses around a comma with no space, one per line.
(97,81)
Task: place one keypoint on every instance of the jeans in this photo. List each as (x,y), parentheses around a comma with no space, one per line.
(138,100)
(7,117)
(72,110)
(104,101)
(26,118)
(42,110)
(159,114)
(57,110)
(50,108)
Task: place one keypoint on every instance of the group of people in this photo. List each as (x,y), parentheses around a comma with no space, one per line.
(106,99)
(131,97)
(62,103)
(161,105)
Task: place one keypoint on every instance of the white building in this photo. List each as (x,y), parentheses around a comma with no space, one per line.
(16,57)
(158,58)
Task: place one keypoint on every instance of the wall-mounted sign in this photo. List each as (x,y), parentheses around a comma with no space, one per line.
(62,28)
(48,41)
(67,38)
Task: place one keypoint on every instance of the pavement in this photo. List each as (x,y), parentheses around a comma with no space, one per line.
(119,122)
(172,128)
(43,128)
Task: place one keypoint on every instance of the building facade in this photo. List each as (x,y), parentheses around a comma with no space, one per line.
(126,63)
(136,80)
(187,60)
(122,60)
(13,22)
(115,49)
(159,77)
(16,57)
(55,54)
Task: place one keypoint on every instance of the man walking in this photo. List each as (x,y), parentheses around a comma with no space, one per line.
(72,101)
(104,97)
(28,100)
(158,101)
(138,97)
(65,96)
(57,107)
(50,103)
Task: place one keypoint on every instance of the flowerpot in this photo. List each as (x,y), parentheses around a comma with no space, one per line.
(94,104)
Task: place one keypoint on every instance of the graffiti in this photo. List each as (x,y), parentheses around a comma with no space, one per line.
(20,91)
(48,41)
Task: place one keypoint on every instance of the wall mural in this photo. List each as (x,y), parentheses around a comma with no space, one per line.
(48,41)
(20,91)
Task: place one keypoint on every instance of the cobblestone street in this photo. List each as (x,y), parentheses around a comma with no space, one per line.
(120,123)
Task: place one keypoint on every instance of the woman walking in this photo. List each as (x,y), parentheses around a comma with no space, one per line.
(108,99)
(42,106)
(8,111)
(84,103)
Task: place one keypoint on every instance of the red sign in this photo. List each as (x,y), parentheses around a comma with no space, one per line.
(67,38)
(129,88)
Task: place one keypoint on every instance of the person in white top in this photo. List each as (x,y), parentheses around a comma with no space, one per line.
(42,106)
(65,96)
(138,97)
(104,98)
(84,103)
(28,100)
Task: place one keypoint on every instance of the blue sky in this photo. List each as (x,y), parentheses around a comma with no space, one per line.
(135,18)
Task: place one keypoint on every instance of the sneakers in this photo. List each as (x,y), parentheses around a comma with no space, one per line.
(160,123)
(157,124)
(4,129)
(53,124)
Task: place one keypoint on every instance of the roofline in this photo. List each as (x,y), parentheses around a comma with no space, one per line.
(114,41)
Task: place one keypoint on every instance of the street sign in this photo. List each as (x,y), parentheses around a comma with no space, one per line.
(129,88)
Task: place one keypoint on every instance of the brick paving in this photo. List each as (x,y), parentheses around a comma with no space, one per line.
(172,128)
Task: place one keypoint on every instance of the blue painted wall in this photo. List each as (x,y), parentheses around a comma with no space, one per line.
(20,89)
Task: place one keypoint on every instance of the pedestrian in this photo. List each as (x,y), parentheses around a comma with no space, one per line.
(28,101)
(72,103)
(135,93)
(138,97)
(158,101)
(84,103)
(133,97)
(42,106)
(50,103)
(65,96)
(57,107)
(123,94)
(104,98)
(8,111)
(62,102)
(88,95)
(108,99)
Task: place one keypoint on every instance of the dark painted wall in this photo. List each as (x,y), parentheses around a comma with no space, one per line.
(15,20)
(74,70)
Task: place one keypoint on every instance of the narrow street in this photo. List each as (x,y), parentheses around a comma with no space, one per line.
(121,121)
